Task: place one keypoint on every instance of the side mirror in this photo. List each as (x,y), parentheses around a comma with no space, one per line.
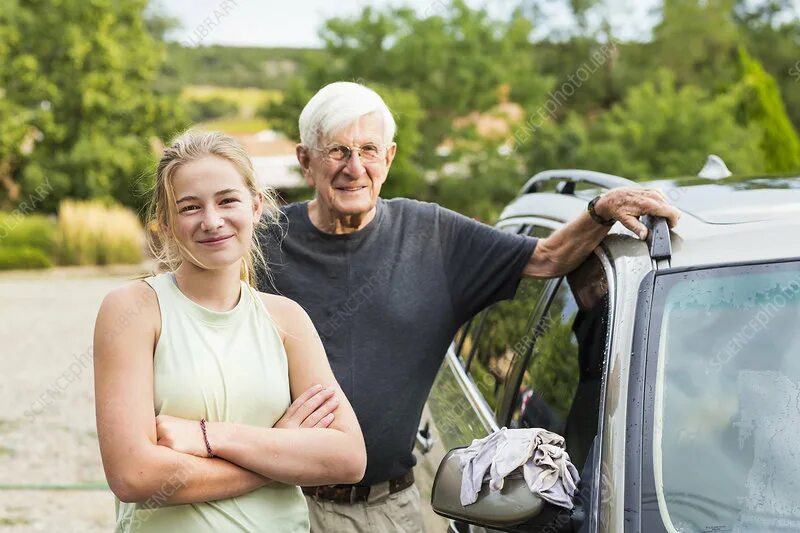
(507,509)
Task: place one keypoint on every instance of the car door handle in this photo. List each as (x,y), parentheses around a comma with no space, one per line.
(424,438)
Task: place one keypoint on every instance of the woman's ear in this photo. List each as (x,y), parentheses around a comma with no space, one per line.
(258,207)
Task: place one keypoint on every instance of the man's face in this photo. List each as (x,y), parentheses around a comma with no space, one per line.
(351,186)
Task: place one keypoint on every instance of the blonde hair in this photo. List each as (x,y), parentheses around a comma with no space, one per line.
(191,146)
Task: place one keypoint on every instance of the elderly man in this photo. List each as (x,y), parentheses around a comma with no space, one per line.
(388,283)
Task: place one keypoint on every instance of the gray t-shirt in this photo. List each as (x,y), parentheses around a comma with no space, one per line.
(387,300)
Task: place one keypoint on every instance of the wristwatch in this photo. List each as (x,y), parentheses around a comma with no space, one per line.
(597,218)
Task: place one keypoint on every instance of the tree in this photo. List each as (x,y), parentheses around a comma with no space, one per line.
(761,104)
(698,41)
(771,31)
(452,57)
(83,73)
(658,130)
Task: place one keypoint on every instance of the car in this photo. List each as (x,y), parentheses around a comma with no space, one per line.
(671,367)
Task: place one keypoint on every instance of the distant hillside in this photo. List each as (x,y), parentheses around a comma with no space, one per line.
(225,66)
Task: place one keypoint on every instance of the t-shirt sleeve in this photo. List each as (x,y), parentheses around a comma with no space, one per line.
(483,265)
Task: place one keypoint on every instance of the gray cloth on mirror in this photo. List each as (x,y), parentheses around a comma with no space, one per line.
(536,453)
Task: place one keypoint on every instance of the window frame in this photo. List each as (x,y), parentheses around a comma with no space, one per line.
(516,375)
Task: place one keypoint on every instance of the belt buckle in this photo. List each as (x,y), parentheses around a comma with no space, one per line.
(379,491)
(353,493)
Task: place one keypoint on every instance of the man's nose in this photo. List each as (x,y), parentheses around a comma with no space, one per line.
(354,165)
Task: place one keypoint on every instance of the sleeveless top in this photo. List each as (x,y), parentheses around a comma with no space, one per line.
(225,366)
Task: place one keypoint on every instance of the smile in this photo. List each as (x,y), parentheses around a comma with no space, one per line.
(216,241)
(351,189)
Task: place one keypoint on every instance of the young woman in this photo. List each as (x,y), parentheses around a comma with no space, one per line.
(195,369)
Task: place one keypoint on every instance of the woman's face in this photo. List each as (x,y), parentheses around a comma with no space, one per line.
(215,212)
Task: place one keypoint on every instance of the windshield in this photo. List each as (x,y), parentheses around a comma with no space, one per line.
(726,431)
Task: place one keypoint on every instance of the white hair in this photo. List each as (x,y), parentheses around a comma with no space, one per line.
(336,106)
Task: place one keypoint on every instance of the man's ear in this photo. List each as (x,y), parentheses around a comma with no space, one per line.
(304,158)
(391,151)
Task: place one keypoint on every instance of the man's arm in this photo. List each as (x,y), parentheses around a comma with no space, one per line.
(569,246)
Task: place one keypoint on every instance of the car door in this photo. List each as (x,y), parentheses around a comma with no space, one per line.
(463,402)
(557,375)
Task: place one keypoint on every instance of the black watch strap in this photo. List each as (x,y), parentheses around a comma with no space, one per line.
(597,218)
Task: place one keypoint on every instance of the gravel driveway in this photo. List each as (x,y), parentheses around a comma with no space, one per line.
(51,477)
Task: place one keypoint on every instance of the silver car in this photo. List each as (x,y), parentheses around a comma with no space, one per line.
(671,367)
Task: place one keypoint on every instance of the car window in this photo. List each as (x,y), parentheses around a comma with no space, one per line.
(502,333)
(559,389)
(726,408)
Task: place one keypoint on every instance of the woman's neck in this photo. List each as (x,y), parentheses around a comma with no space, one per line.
(217,290)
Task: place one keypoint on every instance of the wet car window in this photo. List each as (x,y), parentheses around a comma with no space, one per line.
(726,443)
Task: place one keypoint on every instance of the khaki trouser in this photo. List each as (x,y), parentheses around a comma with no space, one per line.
(384,513)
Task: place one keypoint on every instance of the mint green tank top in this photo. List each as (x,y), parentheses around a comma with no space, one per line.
(225,366)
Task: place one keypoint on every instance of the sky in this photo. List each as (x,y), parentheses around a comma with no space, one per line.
(295,23)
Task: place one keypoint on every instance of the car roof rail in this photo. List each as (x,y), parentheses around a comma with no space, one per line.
(658,238)
(569,177)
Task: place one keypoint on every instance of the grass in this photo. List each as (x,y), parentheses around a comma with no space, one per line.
(6,451)
(235,125)
(98,233)
(249,100)
(8,425)
(16,521)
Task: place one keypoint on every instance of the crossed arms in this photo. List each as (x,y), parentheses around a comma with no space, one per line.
(162,460)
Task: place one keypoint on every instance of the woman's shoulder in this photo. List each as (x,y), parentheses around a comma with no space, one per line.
(284,311)
(279,304)
(133,301)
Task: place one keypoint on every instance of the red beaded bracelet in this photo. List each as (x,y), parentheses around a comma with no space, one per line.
(205,437)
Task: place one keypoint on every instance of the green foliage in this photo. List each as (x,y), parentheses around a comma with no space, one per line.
(481,183)
(697,40)
(774,39)
(268,68)
(761,104)
(453,57)
(210,108)
(284,115)
(657,130)
(405,178)
(35,231)
(83,73)
(23,257)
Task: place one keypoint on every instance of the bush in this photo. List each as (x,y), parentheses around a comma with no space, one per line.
(98,233)
(211,108)
(34,231)
(23,257)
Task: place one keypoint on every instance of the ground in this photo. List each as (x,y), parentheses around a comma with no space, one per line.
(51,477)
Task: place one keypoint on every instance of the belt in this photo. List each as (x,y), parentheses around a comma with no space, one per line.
(359,493)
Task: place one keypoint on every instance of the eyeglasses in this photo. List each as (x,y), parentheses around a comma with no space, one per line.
(368,153)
